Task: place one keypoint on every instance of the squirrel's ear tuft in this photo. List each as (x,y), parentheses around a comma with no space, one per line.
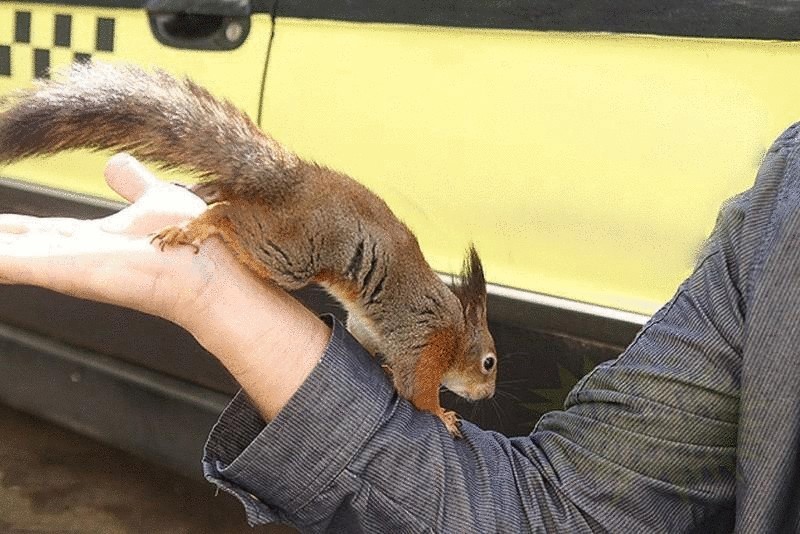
(471,288)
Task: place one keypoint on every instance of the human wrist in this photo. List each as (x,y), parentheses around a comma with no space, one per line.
(267,340)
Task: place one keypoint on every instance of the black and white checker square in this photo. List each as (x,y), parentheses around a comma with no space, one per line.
(38,62)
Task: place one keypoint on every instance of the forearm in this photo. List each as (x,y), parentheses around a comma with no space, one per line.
(347,453)
(267,340)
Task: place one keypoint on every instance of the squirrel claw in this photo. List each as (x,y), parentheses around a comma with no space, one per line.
(450,420)
(173,236)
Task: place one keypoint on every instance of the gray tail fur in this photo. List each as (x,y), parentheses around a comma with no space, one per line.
(171,122)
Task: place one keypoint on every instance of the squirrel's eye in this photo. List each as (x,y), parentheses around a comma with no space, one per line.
(488,363)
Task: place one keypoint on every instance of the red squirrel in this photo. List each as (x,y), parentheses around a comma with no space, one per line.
(288,220)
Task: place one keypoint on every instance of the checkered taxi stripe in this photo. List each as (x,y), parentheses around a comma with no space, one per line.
(62,38)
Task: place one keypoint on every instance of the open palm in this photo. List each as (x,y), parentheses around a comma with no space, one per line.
(111,259)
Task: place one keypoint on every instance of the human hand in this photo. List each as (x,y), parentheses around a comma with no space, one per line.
(209,293)
(110,259)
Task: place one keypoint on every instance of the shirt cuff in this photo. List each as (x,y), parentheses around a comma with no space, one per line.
(277,468)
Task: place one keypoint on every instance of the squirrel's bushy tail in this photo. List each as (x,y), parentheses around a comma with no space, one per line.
(154,116)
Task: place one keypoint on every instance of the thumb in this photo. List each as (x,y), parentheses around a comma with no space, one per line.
(155,204)
(128,177)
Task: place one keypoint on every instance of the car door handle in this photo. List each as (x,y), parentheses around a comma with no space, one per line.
(200,24)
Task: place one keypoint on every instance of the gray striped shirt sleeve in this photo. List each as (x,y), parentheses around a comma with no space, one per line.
(646,443)
(346,455)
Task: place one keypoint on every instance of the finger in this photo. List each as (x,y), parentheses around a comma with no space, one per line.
(128,177)
(12,224)
(15,224)
(160,207)
(21,224)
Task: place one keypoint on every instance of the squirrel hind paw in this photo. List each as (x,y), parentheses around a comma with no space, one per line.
(172,236)
(450,420)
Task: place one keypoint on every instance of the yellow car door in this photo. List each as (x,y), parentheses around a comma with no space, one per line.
(221,44)
(585,147)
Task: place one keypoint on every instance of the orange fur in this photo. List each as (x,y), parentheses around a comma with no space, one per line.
(437,357)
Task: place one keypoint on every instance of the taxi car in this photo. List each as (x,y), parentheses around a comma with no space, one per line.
(585,148)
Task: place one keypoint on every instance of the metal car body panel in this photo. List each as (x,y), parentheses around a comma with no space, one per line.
(584,166)
(585,147)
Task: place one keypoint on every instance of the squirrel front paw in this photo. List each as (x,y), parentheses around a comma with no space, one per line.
(193,233)
(426,399)
(450,420)
(173,236)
